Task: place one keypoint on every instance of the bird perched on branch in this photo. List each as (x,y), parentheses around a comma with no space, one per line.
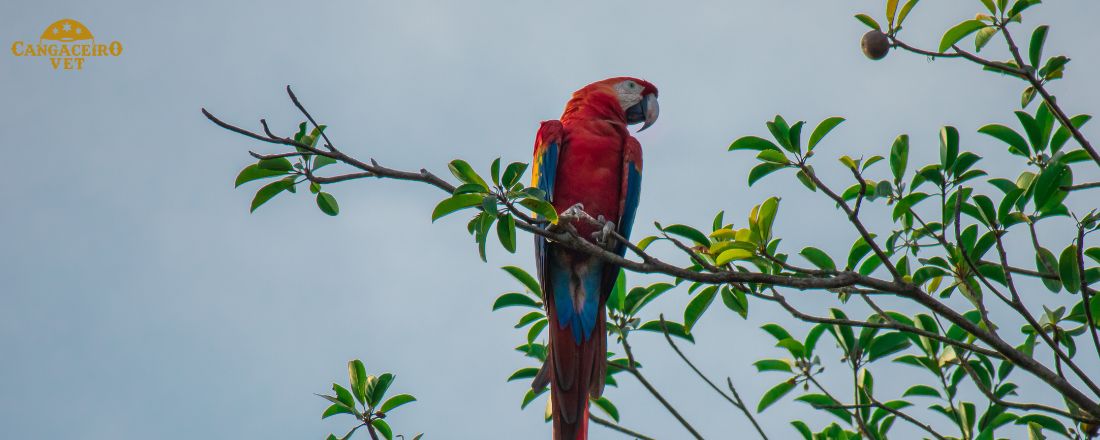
(587,160)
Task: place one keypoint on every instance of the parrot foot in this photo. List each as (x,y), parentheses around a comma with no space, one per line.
(603,236)
(573,213)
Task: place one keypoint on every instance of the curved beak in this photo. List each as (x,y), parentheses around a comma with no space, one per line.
(649,109)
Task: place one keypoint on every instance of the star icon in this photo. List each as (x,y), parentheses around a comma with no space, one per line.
(56,30)
(78,31)
(68,26)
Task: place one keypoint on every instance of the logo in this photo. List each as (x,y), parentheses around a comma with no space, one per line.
(67,43)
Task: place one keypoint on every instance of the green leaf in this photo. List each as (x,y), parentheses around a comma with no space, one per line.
(794,137)
(322,161)
(1016,143)
(781,131)
(1027,96)
(276,164)
(887,344)
(674,329)
(506,232)
(799,425)
(734,254)
(806,180)
(1044,421)
(378,391)
(523,277)
(1035,51)
(343,395)
(753,143)
(921,390)
(689,233)
(464,172)
(773,365)
(899,157)
(777,331)
(494,171)
(908,6)
(819,258)
(766,217)
(758,172)
(530,397)
(1063,134)
(698,306)
(530,317)
(958,32)
(513,173)
(821,401)
(1020,6)
(536,330)
(1053,68)
(254,172)
(823,129)
(607,407)
(524,373)
(949,146)
(336,408)
(983,36)
(891,11)
(859,250)
(1048,194)
(773,156)
(271,190)
(735,300)
(456,203)
(396,401)
(301,132)
(327,203)
(383,428)
(1068,270)
(779,390)
(867,20)
(541,207)
(357,373)
(515,299)
(1046,262)
(617,299)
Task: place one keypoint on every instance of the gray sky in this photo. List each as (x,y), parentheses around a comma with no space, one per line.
(141,300)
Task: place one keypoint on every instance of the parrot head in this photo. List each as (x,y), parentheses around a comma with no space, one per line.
(637,98)
(639,101)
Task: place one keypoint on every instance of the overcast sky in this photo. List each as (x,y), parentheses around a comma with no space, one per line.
(140,299)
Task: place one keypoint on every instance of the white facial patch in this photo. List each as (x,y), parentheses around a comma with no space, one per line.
(629,93)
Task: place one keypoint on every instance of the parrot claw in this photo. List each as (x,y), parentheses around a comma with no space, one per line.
(603,236)
(572,214)
(568,217)
(575,212)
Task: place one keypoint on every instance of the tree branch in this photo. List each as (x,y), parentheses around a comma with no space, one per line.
(570,240)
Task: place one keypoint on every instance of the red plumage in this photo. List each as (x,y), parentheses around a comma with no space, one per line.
(594,156)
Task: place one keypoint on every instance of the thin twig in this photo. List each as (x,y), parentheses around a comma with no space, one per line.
(632,368)
(876,404)
(736,403)
(965,364)
(616,427)
(1048,99)
(1084,287)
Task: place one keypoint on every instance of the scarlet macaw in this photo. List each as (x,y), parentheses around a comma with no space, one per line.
(588,158)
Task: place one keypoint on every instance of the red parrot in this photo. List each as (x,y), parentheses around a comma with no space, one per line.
(588,158)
